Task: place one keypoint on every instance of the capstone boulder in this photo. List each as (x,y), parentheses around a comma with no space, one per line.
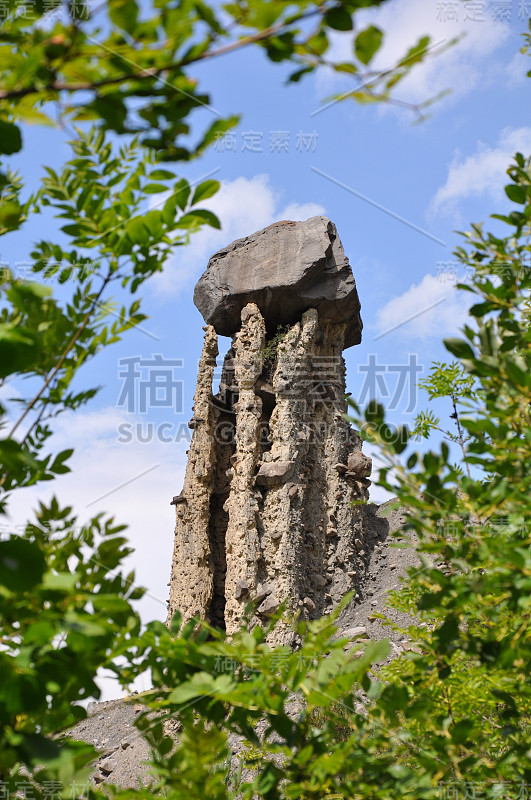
(285,270)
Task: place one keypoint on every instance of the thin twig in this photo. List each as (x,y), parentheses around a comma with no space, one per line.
(461,440)
(62,358)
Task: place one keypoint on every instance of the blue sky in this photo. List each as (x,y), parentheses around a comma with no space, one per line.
(364,167)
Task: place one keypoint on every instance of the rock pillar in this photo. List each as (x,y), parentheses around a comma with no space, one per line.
(270,509)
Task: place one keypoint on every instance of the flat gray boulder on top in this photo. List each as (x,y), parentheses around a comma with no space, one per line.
(285,269)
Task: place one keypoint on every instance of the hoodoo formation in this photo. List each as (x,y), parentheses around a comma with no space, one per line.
(267,511)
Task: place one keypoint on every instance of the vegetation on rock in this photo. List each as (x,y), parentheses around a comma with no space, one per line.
(270,351)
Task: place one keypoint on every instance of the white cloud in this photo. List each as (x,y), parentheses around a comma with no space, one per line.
(482,173)
(404,22)
(243,206)
(431,308)
(517,69)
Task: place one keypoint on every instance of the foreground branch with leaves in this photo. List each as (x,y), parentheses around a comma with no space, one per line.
(128,66)
(101,195)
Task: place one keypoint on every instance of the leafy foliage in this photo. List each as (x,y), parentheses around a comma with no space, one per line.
(446,380)
(100,196)
(472,588)
(65,606)
(322,722)
(127,67)
(453,709)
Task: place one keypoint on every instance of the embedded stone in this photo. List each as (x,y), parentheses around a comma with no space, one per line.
(241,589)
(262,590)
(269,606)
(354,633)
(308,602)
(109,765)
(275,473)
(359,465)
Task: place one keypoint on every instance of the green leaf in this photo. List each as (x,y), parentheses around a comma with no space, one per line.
(339,19)
(161,175)
(187,691)
(22,564)
(459,348)
(11,214)
(176,621)
(205,12)
(112,109)
(416,53)
(10,138)
(267,779)
(61,582)
(154,188)
(395,697)
(400,772)
(480,309)
(367,43)
(298,74)
(169,210)
(205,190)
(517,194)
(124,14)
(40,748)
(153,222)
(377,651)
(137,231)
(217,128)
(58,466)
(318,44)
(181,193)
(462,731)
(73,230)
(199,217)
(108,603)
(448,632)
(349,69)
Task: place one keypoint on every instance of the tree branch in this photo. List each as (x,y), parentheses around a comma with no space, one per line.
(154,72)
